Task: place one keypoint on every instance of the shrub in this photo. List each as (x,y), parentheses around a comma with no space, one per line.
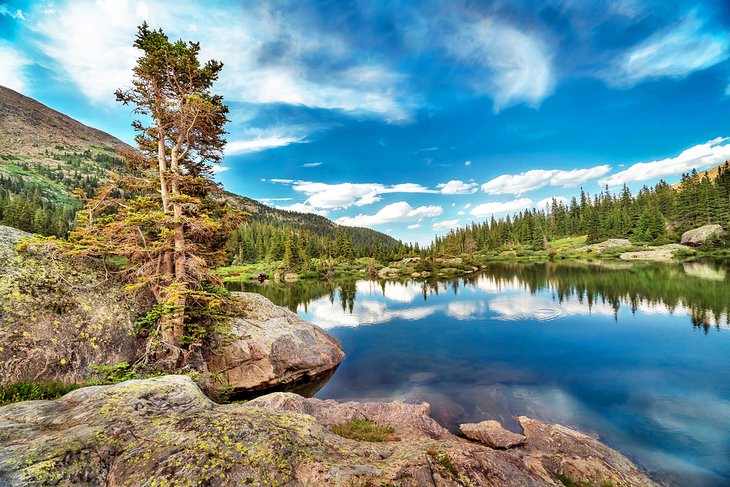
(364,430)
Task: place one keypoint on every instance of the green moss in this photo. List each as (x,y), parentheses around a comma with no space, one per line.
(363,430)
(28,391)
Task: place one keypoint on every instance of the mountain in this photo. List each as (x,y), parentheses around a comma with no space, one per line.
(43,151)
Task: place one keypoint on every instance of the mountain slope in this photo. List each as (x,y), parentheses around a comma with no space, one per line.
(45,149)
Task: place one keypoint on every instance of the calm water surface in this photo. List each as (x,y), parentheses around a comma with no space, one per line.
(638,355)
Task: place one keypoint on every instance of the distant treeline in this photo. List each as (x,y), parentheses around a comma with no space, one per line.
(655,215)
(256,241)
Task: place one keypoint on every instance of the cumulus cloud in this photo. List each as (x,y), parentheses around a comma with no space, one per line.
(414,226)
(516,67)
(467,163)
(547,202)
(267,56)
(445,225)
(12,68)
(219,169)
(395,212)
(456,186)
(700,157)
(345,195)
(675,52)
(302,208)
(538,178)
(498,207)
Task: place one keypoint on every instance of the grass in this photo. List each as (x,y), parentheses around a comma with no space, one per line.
(29,391)
(569,242)
(364,430)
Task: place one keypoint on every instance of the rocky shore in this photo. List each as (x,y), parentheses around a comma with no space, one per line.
(165,432)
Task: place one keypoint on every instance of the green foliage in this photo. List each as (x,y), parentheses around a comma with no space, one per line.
(363,430)
(654,215)
(29,391)
(113,374)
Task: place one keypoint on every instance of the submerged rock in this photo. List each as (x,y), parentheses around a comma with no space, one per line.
(270,346)
(699,236)
(492,434)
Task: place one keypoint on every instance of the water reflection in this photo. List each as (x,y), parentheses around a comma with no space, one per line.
(635,354)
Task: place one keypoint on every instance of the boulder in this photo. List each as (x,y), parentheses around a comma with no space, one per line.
(607,244)
(662,253)
(492,434)
(60,316)
(164,431)
(701,235)
(387,272)
(269,346)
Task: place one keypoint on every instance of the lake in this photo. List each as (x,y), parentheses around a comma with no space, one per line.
(637,355)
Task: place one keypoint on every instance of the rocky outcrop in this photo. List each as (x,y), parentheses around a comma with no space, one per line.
(663,253)
(492,434)
(607,244)
(701,235)
(269,346)
(59,317)
(164,431)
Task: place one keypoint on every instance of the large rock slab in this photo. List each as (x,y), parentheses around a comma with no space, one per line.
(59,316)
(492,434)
(662,253)
(269,346)
(164,431)
(699,236)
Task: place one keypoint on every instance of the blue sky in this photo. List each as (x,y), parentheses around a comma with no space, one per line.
(412,117)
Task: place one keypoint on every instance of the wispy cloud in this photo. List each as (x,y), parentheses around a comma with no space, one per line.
(538,178)
(414,226)
(258,144)
(267,56)
(345,195)
(675,52)
(312,164)
(395,212)
(497,207)
(13,13)
(12,68)
(700,157)
(303,208)
(547,202)
(445,225)
(456,186)
(513,66)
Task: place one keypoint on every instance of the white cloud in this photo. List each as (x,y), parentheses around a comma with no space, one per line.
(466,310)
(538,178)
(216,168)
(467,163)
(675,52)
(312,164)
(700,157)
(547,202)
(457,187)
(12,13)
(395,212)
(496,207)
(461,212)
(345,195)
(236,147)
(414,226)
(446,225)
(12,67)
(467,206)
(517,67)
(266,56)
(302,208)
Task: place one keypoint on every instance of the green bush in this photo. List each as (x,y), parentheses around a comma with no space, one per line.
(28,391)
